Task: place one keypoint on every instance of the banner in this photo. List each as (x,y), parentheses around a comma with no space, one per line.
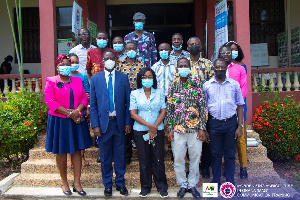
(76,19)
(221,28)
(64,46)
(282,49)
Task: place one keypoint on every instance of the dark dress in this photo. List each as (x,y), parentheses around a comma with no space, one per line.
(64,135)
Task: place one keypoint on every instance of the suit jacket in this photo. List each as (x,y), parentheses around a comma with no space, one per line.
(99,101)
(57,94)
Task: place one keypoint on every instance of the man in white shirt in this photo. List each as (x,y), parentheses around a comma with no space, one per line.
(82,49)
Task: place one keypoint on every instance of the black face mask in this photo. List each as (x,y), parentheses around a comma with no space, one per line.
(220,74)
(194,50)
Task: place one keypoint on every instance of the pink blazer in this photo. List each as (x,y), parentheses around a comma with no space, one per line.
(238,73)
(57,94)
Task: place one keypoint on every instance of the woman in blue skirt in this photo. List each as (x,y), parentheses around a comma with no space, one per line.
(67,131)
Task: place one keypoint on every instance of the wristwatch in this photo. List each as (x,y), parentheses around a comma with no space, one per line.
(241,125)
(78,111)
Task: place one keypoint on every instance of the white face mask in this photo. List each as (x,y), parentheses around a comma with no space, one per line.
(109,64)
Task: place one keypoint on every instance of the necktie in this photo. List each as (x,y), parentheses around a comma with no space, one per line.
(110,94)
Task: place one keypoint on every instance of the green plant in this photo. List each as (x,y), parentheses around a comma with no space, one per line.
(23,116)
(277,121)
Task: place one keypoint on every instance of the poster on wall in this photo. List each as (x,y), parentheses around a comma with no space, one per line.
(282,49)
(221,28)
(92,27)
(76,19)
(295,47)
(259,54)
(64,46)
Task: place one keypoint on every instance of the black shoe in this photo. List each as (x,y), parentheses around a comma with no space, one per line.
(205,172)
(123,190)
(107,192)
(143,194)
(164,194)
(181,192)
(243,173)
(195,193)
(67,192)
(82,193)
(98,159)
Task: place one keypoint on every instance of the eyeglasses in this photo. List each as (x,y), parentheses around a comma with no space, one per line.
(147,77)
(225,52)
(85,33)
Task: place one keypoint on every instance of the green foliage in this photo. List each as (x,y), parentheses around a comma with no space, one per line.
(22,117)
(277,121)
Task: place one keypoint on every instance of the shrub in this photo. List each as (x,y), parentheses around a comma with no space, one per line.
(23,116)
(277,121)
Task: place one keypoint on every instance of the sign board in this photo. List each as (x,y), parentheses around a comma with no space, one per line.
(92,27)
(259,54)
(64,46)
(76,19)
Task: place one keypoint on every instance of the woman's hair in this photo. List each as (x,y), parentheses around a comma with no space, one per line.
(60,58)
(141,74)
(73,54)
(241,54)
(9,57)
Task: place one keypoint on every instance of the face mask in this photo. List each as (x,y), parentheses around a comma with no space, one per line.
(74,67)
(234,54)
(118,47)
(178,48)
(101,43)
(164,54)
(9,62)
(147,83)
(194,50)
(184,72)
(64,70)
(138,26)
(220,74)
(109,64)
(131,54)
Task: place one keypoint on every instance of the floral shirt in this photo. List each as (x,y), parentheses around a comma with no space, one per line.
(131,71)
(145,45)
(186,106)
(174,58)
(202,69)
(94,60)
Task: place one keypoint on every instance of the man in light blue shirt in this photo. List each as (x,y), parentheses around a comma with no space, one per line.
(225,120)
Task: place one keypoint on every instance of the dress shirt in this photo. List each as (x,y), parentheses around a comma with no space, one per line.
(113,76)
(147,109)
(131,70)
(186,107)
(164,74)
(222,99)
(94,60)
(81,52)
(202,69)
(145,45)
(183,54)
(238,73)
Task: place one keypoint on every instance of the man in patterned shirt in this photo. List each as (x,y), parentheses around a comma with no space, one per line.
(186,111)
(131,67)
(164,69)
(94,63)
(177,51)
(144,40)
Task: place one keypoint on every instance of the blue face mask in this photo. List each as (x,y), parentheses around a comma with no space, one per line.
(64,70)
(138,26)
(234,54)
(118,47)
(9,62)
(131,54)
(164,54)
(178,48)
(74,67)
(101,43)
(184,72)
(147,83)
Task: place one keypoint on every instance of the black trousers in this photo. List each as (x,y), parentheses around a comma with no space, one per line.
(206,156)
(151,160)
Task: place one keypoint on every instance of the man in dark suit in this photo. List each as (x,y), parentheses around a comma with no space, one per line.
(110,120)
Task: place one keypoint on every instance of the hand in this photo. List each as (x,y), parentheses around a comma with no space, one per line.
(77,120)
(238,134)
(201,135)
(151,135)
(171,136)
(207,137)
(88,112)
(73,114)
(152,128)
(97,131)
(127,129)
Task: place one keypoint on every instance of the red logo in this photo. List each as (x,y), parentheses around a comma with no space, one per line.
(227,190)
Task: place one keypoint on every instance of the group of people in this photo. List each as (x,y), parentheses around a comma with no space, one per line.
(197,104)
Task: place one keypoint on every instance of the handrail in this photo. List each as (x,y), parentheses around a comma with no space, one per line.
(270,70)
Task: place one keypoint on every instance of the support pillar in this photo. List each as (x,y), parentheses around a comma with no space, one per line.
(242,37)
(48,38)
(200,18)
(210,26)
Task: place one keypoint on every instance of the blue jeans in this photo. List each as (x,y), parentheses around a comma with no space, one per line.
(221,134)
